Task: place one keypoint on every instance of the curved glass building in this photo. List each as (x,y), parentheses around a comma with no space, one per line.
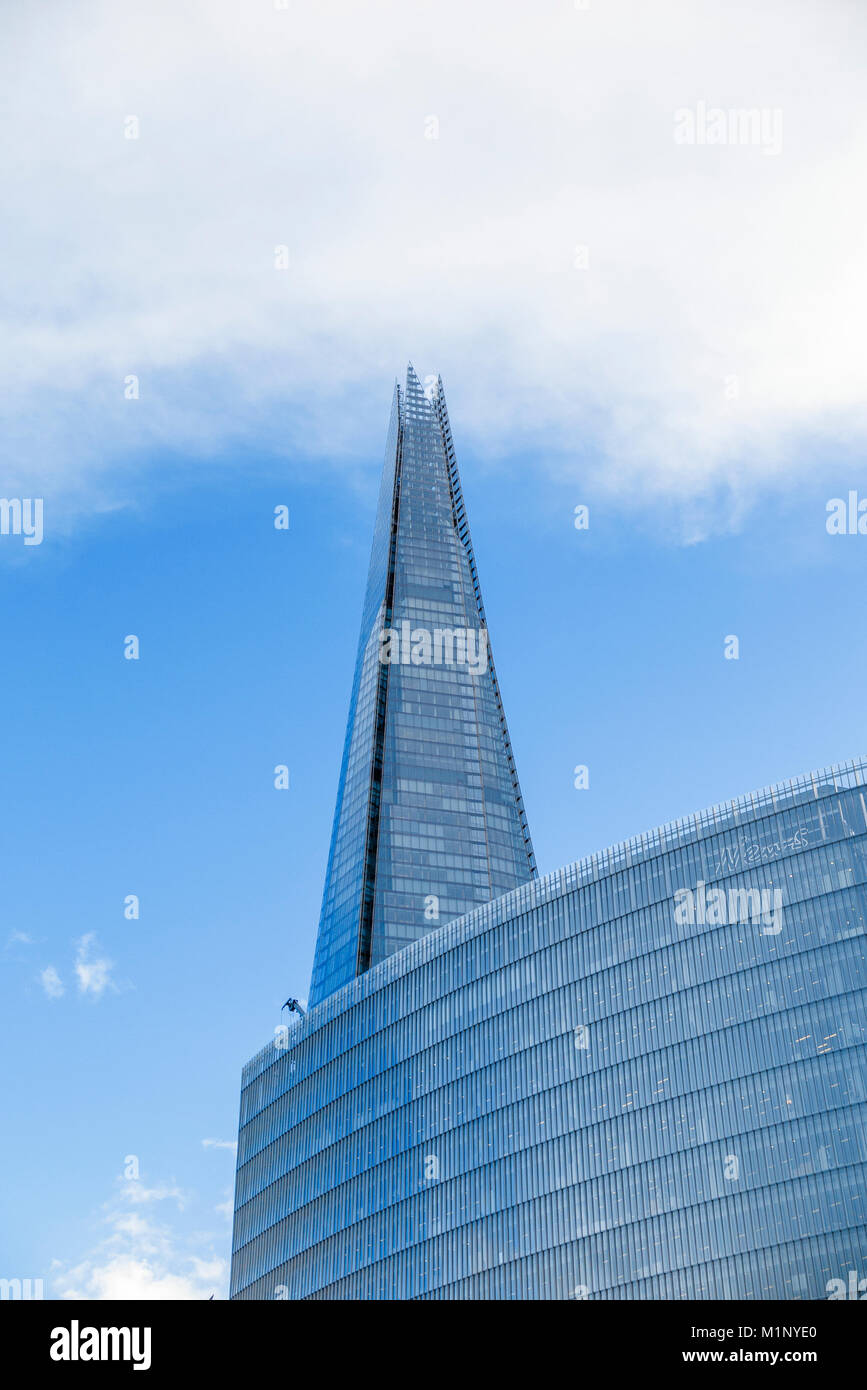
(571,1093)
(643,1076)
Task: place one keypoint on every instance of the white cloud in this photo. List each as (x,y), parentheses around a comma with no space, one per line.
(141,1257)
(220,1144)
(711,344)
(94,974)
(122,1275)
(51,982)
(135,1192)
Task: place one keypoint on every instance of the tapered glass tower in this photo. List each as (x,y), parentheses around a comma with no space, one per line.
(429,821)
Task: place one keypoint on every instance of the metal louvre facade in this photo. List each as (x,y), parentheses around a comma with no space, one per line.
(609,1083)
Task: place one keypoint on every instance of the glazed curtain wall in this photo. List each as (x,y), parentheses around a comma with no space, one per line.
(572,1093)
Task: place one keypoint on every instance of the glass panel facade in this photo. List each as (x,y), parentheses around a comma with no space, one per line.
(643,1076)
(429,821)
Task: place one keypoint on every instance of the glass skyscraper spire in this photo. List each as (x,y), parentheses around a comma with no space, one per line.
(429,821)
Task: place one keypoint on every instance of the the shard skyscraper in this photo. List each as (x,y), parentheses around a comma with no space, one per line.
(429,821)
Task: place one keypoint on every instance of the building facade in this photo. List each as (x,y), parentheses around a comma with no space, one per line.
(590,1087)
(643,1076)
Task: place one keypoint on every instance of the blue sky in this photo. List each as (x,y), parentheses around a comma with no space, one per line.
(259,214)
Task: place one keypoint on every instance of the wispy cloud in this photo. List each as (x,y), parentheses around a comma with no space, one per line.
(142,1257)
(136,1193)
(591,288)
(140,1261)
(93,972)
(51,982)
(220,1144)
